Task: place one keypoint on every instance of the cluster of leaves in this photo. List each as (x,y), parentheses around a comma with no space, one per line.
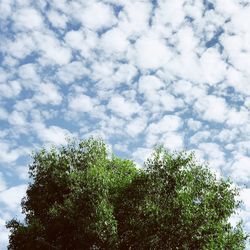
(81,198)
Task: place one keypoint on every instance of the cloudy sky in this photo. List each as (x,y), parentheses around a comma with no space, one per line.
(135,72)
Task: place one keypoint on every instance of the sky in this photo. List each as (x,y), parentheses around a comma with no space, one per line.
(134,72)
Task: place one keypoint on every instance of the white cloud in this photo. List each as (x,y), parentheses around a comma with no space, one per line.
(114,41)
(132,21)
(17,118)
(8,154)
(148,85)
(52,51)
(214,68)
(170,102)
(81,103)
(11,197)
(227,8)
(193,124)
(51,134)
(200,136)
(237,117)
(172,141)
(140,155)
(136,126)
(245,197)
(212,108)
(214,155)
(84,41)
(5,8)
(228,135)
(72,72)
(167,123)
(48,94)
(28,73)
(98,16)
(170,12)
(58,20)
(151,53)
(10,90)
(27,18)
(123,75)
(102,70)
(122,107)
(240,169)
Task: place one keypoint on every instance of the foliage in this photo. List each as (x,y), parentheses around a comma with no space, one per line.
(81,198)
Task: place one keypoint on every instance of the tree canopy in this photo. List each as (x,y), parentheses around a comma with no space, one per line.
(81,197)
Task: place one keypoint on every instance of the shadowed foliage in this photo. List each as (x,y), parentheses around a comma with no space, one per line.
(82,198)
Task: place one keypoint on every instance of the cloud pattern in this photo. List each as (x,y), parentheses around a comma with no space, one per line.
(135,72)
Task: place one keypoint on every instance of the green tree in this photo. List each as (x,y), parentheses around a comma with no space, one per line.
(176,203)
(82,198)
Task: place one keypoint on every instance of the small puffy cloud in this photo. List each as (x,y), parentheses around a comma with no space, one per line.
(167,123)
(172,141)
(227,8)
(114,41)
(136,126)
(51,50)
(141,154)
(27,19)
(5,8)
(51,134)
(20,47)
(102,70)
(151,53)
(97,16)
(72,72)
(170,102)
(4,233)
(226,135)
(81,103)
(28,72)
(245,197)
(153,90)
(57,19)
(214,68)
(11,197)
(123,75)
(132,21)
(83,41)
(170,12)
(213,153)
(149,84)
(240,169)
(200,136)
(237,117)
(212,108)
(182,87)
(122,107)
(193,124)
(10,90)
(17,118)
(48,93)
(8,154)
(165,132)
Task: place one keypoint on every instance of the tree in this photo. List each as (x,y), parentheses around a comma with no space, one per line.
(82,198)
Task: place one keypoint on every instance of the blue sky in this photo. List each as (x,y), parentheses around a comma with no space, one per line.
(135,73)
